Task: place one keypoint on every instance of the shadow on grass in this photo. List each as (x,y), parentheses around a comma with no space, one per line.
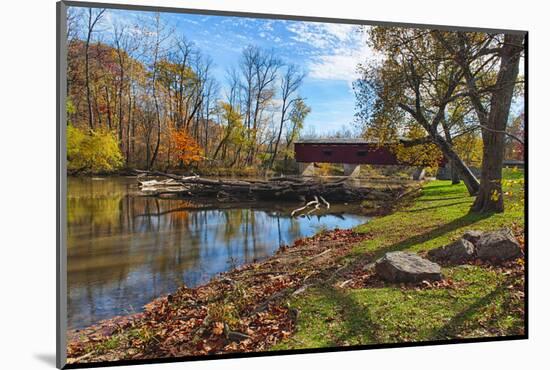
(427,199)
(457,324)
(466,220)
(357,326)
(446,185)
(437,206)
(355,320)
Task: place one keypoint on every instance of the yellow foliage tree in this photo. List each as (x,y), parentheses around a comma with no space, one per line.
(470,149)
(94,151)
(422,155)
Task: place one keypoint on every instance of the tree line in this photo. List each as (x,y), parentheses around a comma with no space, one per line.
(144,96)
(149,95)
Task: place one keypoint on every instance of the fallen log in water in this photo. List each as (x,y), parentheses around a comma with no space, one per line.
(283,188)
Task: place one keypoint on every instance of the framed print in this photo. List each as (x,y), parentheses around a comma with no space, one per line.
(235,184)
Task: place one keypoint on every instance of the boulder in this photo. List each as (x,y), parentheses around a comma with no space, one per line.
(455,253)
(406,267)
(497,246)
(472,236)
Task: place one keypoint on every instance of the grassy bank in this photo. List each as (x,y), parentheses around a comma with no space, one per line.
(318,293)
(479,301)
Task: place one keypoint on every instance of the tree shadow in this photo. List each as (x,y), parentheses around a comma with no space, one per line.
(355,318)
(371,256)
(442,198)
(437,206)
(454,326)
(358,326)
(440,186)
(458,223)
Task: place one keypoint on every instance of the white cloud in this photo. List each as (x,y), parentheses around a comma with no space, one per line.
(340,65)
(305,33)
(343,32)
(323,35)
(337,49)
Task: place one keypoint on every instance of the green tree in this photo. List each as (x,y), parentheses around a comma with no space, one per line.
(415,81)
(490,66)
(233,129)
(300,111)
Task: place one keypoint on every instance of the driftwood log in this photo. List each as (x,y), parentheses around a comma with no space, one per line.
(274,189)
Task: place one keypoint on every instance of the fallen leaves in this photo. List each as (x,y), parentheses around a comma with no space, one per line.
(239,311)
(218,328)
(245,310)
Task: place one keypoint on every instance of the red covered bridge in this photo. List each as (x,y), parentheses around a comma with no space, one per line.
(350,152)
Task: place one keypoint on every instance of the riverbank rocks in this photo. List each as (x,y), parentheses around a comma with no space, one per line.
(497,246)
(406,267)
(458,252)
(490,246)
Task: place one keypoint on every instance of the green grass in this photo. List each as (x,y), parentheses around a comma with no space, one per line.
(107,345)
(480,304)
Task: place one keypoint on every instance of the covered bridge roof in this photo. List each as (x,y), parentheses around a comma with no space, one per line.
(354,141)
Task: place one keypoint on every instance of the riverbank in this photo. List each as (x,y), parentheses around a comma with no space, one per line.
(389,173)
(317,292)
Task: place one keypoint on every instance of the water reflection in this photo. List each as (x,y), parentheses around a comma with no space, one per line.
(124,250)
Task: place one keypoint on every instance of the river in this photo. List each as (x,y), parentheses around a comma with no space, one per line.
(125,249)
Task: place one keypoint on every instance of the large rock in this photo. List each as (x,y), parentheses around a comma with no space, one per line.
(497,246)
(472,236)
(457,252)
(406,267)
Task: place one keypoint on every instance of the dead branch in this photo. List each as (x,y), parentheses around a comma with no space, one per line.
(313,202)
(282,188)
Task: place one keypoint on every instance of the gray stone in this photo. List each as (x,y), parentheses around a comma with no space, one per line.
(472,236)
(406,267)
(457,252)
(419,174)
(497,246)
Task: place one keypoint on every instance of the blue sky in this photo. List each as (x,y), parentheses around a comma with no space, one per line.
(328,53)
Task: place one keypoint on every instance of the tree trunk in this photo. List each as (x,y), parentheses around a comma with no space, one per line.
(87,73)
(283,113)
(464,171)
(154,92)
(157,144)
(206,130)
(128,128)
(148,150)
(220,145)
(108,101)
(455,178)
(120,111)
(133,127)
(157,110)
(91,25)
(489,198)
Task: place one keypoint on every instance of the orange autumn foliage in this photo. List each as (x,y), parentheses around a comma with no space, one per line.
(186,148)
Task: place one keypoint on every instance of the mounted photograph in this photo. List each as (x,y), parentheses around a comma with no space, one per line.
(234,184)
